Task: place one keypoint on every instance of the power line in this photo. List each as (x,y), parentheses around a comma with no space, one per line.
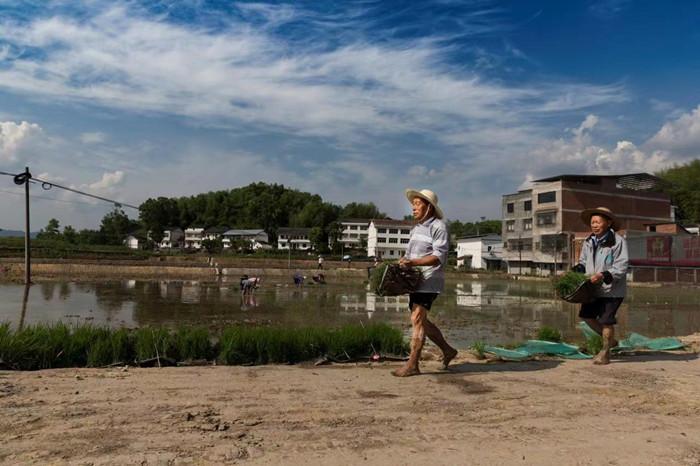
(32,196)
(21,178)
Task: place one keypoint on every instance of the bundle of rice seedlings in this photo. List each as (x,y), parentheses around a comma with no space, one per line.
(574,287)
(388,279)
(547,333)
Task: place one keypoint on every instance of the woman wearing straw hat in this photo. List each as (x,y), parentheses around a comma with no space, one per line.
(427,249)
(604,257)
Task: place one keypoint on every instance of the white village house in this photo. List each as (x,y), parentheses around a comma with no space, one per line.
(388,239)
(172,237)
(293,238)
(257,238)
(193,237)
(480,252)
(354,233)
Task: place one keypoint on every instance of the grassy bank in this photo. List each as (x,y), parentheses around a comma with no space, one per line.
(58,345)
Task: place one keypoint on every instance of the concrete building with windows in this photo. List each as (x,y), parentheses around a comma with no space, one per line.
(193,237)
(388,239)
(257,239)
(480,252)
(542,228)
(172,237)
(354,233)
(293,238)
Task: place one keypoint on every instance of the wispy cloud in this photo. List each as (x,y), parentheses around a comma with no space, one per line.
(122,58)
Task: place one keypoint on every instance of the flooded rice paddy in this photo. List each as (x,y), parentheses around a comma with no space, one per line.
(502,312)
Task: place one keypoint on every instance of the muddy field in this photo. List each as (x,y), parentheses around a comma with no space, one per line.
(642,409)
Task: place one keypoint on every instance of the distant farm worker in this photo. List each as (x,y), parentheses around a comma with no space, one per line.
(298,280)
(427,249)
(604,257)
(319,279)
(320,263)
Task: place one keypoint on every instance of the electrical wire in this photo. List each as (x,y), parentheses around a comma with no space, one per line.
(32,196)
(23,177)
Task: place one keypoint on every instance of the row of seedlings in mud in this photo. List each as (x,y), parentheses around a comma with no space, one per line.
(59,345)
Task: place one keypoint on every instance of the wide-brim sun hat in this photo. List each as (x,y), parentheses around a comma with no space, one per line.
(426,195)
(603,212)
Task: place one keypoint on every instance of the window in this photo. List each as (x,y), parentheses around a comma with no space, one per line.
(393,231)
(391,253)
(510,225)
(353,227)
(393,240)
(381,240)
(381,230)
(527,206)
(546,219)
(404,240)
(527,224)
(405,232)
(543,198)
(510,207)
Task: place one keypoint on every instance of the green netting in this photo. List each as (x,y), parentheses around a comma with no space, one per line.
(635,340)
(532,347)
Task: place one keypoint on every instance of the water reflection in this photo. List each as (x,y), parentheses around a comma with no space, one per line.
(494,311)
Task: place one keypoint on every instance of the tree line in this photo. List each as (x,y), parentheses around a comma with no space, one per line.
(258,205)
(684,189)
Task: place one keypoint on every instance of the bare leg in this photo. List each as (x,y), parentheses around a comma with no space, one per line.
(598,328)
(419,316)
(435,335)
(608,338)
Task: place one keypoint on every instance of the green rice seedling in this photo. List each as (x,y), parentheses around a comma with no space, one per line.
(153,342)
(547,333)
(388,279)
(111,347)
(593,345)
(191,343)
(387,339)
(566,284)
(479,348)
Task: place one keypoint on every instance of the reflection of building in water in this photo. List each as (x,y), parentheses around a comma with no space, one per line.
(478,294)
(170,290)
(386,303)
(191,292)
(130,284)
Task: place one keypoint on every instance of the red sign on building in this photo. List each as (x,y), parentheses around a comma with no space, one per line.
(659,249)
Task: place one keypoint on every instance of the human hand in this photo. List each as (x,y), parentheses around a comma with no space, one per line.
(596,278)
(405,263)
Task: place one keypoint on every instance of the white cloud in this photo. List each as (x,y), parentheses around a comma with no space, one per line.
(681,135)
(13,136)
(245,75)
(93,138)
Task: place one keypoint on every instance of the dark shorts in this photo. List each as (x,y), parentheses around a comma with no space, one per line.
(603,309)
(422,299)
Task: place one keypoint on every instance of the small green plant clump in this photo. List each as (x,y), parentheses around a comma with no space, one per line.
(58,345)
(593,345)
(479,348)
(549,334)
(566,284)
(389,279)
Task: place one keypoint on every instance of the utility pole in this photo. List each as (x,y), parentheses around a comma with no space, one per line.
(24,178)
(520,258)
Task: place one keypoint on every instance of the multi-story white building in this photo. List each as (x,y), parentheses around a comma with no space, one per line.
(257,238)
(388,239)
(172,237)
(193,237)
(294,238)
(480,252)
(354,233)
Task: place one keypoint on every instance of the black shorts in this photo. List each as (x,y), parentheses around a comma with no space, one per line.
(422,299)
(603,309)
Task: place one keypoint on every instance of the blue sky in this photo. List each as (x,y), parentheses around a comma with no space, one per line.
(355,101)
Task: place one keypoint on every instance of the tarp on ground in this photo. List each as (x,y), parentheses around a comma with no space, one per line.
(533,347)
(635,340)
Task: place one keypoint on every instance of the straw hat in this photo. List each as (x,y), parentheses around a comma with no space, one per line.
(603,212)
(426,195)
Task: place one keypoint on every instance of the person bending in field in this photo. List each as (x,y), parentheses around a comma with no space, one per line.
(427,249)
(604,257)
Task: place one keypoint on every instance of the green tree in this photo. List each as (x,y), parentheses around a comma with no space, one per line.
(317,237)
(51,232)
(115,226)
(70,235)
(684,190)
(364,210)
(213,246)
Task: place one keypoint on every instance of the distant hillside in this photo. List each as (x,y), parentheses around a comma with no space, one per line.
(15,233)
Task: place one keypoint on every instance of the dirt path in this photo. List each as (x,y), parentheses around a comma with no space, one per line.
(642,409)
